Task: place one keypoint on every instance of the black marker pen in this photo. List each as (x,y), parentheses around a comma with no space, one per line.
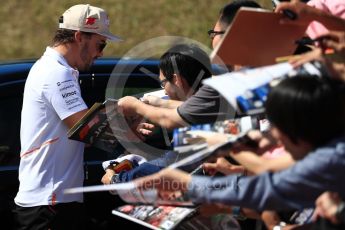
(309,41)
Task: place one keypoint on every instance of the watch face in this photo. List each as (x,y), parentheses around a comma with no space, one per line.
(340,211)
(280,226)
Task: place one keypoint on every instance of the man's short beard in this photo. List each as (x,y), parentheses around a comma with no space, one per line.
(83,56)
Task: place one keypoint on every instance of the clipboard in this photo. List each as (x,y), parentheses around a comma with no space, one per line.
(256,38)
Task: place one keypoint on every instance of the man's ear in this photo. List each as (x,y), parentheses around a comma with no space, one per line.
(78,36)
(180,82)
(177,79)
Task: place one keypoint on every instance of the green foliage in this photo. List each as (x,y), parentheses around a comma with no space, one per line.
(28,25)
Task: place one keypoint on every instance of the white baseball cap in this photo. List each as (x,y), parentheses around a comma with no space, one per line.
(87,18)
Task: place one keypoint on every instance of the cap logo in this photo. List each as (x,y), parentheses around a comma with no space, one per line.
(90,21)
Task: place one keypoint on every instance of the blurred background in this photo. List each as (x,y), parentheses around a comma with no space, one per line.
(27,26)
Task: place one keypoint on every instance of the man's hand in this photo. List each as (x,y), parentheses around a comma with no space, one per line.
(222,165)
(335,63)
(152,100)
(128,105)
(145,128)
(265,140)
(305,13)
(326,206)
(334,40)
(109,173)
(314,55)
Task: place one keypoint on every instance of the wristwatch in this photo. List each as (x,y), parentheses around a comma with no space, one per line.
(280,226)
(340,213)
(236,212)
(115,179)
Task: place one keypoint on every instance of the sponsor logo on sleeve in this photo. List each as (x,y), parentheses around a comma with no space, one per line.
(66,87)
(65,95)
(71,98)
(59,83)
(70,94)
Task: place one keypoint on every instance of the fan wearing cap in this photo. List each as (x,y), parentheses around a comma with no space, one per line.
(52,104)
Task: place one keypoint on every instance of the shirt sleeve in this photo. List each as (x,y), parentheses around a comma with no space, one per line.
(63,93)
(294,188)
(206,106)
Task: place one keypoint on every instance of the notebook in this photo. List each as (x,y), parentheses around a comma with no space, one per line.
(256,38)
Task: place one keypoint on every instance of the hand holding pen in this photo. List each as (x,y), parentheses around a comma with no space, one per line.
(331,53)
(334,40)
(299,12)
(288,13)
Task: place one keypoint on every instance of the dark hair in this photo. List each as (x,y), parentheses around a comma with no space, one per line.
(308,108)
(192,63)
(64,36)
(228,12)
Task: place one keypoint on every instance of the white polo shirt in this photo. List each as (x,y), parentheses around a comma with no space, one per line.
(50,162)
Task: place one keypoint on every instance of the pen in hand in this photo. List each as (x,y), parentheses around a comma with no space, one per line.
(288,13)
(309,41)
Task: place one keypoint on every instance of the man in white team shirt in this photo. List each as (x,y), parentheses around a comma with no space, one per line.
(52,104)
